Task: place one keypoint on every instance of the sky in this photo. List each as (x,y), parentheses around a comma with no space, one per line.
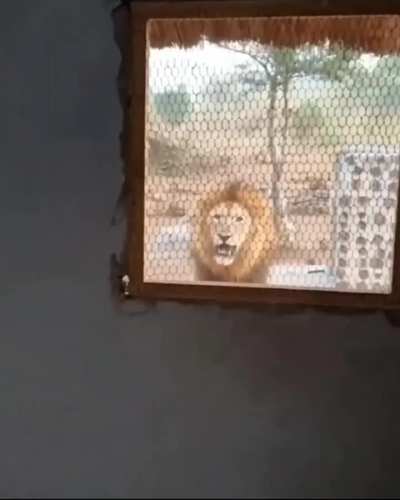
(170,67)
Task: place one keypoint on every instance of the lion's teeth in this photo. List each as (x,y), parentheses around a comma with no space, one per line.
(225,251)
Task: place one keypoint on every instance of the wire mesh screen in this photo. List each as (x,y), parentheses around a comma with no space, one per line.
(272,166)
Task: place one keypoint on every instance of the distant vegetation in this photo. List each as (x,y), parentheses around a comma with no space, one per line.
(173,106)
(320,97)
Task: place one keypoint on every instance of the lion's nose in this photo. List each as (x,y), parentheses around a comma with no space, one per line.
(224,238)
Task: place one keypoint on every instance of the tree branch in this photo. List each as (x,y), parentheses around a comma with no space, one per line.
(248,54)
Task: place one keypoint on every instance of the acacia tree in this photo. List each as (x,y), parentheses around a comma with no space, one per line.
(379,87)
(280,68)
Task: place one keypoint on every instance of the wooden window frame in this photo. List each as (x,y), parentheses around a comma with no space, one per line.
(140,13)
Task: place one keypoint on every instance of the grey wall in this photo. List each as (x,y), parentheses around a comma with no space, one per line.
(177,400)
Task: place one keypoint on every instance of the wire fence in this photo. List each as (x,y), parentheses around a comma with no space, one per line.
(270,166)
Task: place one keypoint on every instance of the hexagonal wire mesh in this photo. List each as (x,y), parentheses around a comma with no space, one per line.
(270,166)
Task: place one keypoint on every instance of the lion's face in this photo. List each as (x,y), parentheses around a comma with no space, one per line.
(229,225)
(234,236)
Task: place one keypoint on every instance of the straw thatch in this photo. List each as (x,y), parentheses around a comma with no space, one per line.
(377,34)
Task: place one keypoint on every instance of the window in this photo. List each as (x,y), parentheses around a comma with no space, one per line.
(264,153)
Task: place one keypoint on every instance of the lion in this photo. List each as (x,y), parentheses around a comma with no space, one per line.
(235,236)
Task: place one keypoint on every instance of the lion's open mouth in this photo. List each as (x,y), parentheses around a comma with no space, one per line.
(225,250)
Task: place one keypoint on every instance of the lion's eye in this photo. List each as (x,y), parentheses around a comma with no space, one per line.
(239,218)
(217,217)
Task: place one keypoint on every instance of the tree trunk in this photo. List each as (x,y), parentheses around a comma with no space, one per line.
(285,92)
(276,165)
